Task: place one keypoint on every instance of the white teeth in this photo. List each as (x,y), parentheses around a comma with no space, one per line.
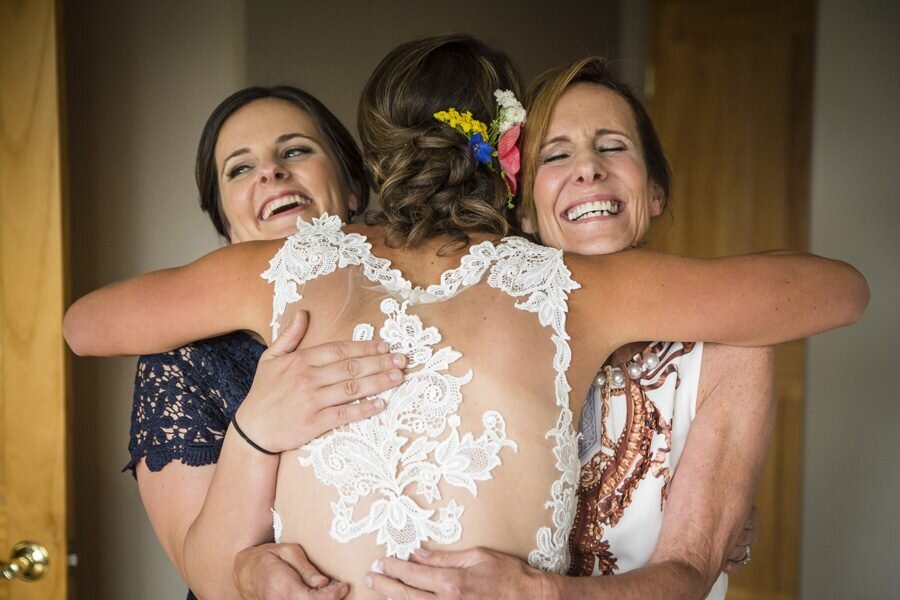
(603,207)
(285,201)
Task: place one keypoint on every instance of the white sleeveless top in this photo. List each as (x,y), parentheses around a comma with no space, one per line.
(631,441)
(407,476)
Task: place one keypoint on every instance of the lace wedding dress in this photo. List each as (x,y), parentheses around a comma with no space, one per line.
(476,447)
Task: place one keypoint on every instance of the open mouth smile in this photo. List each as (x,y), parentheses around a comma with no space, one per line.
(283,204)
(598,208)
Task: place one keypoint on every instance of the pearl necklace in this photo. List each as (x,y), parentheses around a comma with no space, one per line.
(634,369)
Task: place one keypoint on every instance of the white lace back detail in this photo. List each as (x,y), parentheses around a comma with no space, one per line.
(403,445)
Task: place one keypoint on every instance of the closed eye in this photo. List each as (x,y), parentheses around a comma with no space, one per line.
(554,158)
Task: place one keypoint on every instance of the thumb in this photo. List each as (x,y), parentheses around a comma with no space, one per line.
(290,338)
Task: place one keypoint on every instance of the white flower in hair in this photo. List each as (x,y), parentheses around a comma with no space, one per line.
(512,112)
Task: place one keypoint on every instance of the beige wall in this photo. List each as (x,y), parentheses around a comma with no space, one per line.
(851,513)
(329,48)
(142,77)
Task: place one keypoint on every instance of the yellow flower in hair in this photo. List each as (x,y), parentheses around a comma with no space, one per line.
(463,123)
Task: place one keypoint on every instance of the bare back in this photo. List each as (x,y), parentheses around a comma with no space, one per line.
(484,410)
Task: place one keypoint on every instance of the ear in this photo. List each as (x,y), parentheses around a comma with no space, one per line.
(657,200)
(527,226)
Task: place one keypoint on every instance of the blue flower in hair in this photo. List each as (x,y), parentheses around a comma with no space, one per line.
(482,150)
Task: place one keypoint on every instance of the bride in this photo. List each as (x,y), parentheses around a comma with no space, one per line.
(501,336)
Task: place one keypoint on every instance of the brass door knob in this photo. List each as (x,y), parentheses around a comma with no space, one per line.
(27,561)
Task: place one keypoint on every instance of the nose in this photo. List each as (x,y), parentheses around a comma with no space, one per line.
(589,168)
(272,171)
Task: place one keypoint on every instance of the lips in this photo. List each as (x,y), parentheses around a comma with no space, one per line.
(282,204)
(594,208)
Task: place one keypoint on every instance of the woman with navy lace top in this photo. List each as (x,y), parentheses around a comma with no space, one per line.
(256,141)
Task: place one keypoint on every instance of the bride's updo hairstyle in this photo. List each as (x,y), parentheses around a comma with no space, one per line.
(426,177)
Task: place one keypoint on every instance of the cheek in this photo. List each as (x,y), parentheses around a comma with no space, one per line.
(544,199)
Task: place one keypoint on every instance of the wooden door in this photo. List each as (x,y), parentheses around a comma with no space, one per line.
(32,357)
(730,91)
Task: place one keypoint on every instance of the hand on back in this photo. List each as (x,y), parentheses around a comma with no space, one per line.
(299,394)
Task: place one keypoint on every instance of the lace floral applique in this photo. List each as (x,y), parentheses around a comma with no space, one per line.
(535,275)
(399,448)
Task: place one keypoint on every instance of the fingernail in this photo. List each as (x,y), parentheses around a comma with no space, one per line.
(395,376)
(379,404)
(383,347)
(318,580)
(399,359)
(368,581)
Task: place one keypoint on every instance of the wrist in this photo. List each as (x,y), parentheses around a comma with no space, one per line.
(250,438)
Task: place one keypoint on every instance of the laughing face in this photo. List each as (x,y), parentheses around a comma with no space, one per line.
(592,193)
(273,165)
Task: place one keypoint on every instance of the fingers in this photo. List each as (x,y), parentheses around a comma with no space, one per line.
(291,336)
(293,555)
(333,591)
(336,384)
(394,589)
(354,369)
(326,354)
(449,558)
(419,576)
(337,416)
(282,571)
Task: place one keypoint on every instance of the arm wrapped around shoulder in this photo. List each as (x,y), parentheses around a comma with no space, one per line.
(750,300)
(163,310)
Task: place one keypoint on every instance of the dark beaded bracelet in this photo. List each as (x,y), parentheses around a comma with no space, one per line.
(248,440)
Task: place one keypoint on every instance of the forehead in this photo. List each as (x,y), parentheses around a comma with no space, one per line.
(589,107)
(261,122)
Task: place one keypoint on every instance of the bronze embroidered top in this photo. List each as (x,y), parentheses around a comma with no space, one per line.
(632,438)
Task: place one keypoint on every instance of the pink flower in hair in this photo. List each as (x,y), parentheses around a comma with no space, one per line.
(510,157)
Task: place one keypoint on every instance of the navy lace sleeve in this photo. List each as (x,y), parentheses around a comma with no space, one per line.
(184,400)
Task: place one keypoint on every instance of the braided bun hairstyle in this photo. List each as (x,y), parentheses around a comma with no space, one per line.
(422,170)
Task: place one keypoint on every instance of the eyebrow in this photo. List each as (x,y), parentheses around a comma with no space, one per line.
(284,137)
(598,133)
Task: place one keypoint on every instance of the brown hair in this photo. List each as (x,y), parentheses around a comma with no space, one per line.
(427,179)
(543,95)
(335,135)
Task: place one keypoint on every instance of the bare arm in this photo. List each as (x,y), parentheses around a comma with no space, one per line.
(204,516)
(218,293)
(717,475)
(753,300)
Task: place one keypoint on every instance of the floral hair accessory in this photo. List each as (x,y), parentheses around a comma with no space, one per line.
(499,141)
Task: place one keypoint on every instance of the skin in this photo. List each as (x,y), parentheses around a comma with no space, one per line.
(592,152)
(790,282)
(267,148)
(792,296)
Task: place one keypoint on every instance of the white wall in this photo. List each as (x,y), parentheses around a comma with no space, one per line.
(851,512)
(141,78)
